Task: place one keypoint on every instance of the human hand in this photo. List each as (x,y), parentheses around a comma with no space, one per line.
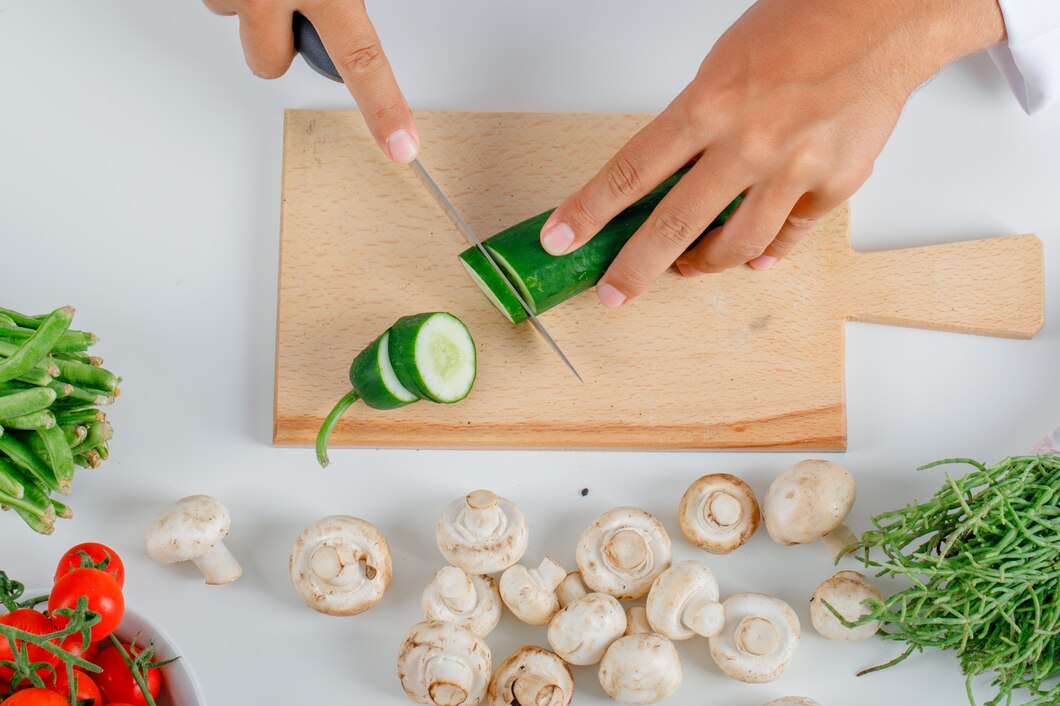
(353,45)
(791,107)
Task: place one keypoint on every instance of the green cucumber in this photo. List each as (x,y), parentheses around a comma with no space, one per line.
(427,356)
(546,280)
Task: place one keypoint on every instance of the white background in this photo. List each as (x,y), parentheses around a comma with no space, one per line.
(140,181)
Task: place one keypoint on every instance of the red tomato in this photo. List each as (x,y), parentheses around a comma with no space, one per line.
(36,697)
(86,688)
(72,644)
(30,621)
(116,682)
(104,597)
(92,555)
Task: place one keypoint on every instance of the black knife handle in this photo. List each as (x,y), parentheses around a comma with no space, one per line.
(308,44)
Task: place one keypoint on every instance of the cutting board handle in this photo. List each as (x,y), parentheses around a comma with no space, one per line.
(992,287)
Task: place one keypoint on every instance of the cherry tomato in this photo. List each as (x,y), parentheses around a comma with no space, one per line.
(87,691)
(35,697)
(116,682)
(72,644)
(30,621)
(92,555)
(104,597)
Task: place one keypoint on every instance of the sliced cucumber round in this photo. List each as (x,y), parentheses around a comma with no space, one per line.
(373,377)
(433,356)
(487,279)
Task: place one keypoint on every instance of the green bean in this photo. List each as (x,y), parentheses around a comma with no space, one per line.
(42,419)
(83,375)
(13,502)
(69,342)
(33,489)
(35,523)
(74,433)
(57,453)
(24,458)
(10,479)
(80,460)
(79,416)
(6,320)
(103,450)
(21,402)
(62,510)
(93,458)
(98,433)
(37,346)
(39,377)
(21,319)
(93,397)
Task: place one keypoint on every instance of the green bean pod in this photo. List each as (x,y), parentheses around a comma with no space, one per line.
(42,419)
(83,375)
(23,457)
(98,433)
(79,416)
(74,433)
(38,345)
(69,343)
(11,479)
(57,452)
(38,377)
(21,319)
(22,402)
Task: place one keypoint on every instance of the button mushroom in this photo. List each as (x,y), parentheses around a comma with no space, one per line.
(444,664)
(683,602)
(469,600)
(531,593)
(853,597)
(588,623)
(622,552)
(193,529)
(532,676)
(759,638)
(793,701)
(482,533)
(809,501)
(718,513)
(340,565)
(642,667)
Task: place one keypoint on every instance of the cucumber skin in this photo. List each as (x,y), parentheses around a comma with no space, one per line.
(403,353)
(368,383)
(548,280)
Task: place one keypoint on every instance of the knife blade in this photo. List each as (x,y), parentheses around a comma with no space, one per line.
(309,45)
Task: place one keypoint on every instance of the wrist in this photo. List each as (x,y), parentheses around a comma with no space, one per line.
(943,31)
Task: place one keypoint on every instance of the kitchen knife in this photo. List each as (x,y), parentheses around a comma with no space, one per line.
(309,45)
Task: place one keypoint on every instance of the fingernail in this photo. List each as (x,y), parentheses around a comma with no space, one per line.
(557,239)
(610,296)
(689,271)
(762,262)
(402,146)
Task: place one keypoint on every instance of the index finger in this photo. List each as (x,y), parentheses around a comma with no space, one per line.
(353,45)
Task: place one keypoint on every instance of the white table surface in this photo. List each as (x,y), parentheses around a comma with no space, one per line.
(140,181)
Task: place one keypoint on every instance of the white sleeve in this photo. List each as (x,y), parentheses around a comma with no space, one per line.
(1030,59)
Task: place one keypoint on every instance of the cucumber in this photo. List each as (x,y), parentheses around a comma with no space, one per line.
(426,356)
(546,280)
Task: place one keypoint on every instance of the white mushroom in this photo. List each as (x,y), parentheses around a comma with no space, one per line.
(469,600)
(193,529)
(847,592)
(622,552)
(793,701)
(683,602)
(531,593)
(809,501)
(444,664)
(340,565)
(588,623)
(532,676)
(718,513)
(642,667)
(759,639)
(482,533)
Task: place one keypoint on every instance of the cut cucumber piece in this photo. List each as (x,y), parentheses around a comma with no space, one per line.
(434,356)
(546,280)
(487,279)
(372,377)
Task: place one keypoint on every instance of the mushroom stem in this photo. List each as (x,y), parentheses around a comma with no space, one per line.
(551,573)
(626,549)
(537,690)
(637,621)
(756,636)
(839,539)
(704,615)
(571,589)
(447,681)
(722,509)
(481,517)
(455,589)
(218,565)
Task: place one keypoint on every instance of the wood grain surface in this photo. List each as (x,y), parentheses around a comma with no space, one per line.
(737,360)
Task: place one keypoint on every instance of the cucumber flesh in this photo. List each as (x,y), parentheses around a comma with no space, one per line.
(489,281)
(434,356)
(372,376)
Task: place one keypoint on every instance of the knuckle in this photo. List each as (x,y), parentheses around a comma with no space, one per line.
(742,251)
(630,278)
(796,222)
(623,178)
(393,109)
(674,228)
(580,213)
(362,59)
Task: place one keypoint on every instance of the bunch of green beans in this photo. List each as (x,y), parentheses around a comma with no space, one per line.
(983,560)
(50,393)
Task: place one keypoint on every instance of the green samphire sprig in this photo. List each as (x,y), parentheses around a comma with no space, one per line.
(982,558)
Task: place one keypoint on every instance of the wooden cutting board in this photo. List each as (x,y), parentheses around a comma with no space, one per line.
(738,360)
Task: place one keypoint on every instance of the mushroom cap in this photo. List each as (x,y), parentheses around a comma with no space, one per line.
(586,627)
(622,552)
(640,668)
(540,674)
(718,513)
(807,501)
(683,602)
(485,598)
(340,565)
(482,533)
(531,593)
(793,701)
(444,664)
(846,592)
(187,529)
(759,639)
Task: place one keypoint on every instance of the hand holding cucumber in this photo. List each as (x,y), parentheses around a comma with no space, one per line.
(790,107)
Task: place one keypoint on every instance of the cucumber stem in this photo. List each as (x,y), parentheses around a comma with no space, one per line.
(329,423)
